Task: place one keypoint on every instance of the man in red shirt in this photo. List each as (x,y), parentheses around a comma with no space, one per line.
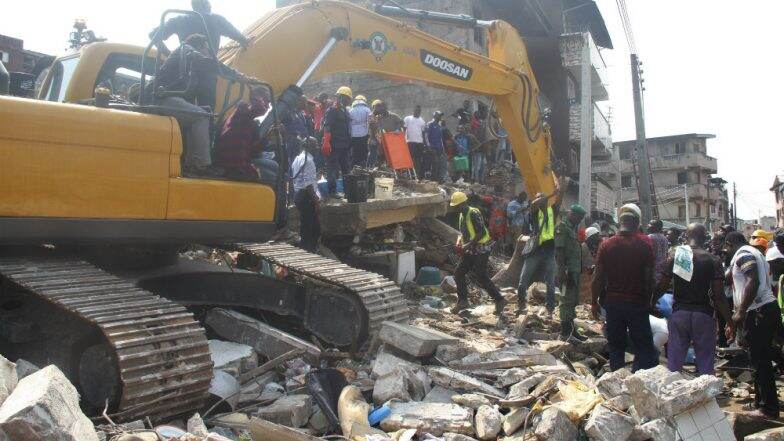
(623,285)
(239,140)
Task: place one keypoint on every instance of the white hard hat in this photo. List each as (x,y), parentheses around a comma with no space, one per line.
(630,210)
(591,231)
(773,253)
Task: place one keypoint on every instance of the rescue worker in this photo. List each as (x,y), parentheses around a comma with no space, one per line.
(568,258)
(476,245)
(360,118)
(187,25)
(336,143)
(306,195)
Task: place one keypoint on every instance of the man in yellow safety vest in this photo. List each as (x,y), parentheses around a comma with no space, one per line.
(476,244)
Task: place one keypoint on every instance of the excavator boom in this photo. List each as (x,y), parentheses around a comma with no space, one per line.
(286,42)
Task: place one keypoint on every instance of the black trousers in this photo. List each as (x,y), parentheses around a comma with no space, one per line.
(417,150)
(309,222)
(628,319)
(338,164)
(359,151)
(477,264)
(760,328)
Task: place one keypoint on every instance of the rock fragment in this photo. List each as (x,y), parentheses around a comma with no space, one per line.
(290,410)
(487,423)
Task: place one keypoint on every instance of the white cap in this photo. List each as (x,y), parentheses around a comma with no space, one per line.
(630,209)
(773,253)
(591,231)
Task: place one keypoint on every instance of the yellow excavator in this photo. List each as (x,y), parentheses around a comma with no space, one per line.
(94,204)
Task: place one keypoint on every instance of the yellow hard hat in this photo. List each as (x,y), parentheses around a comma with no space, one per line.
(346,91)
(458,198)
(360,98)
(767,235)
(376,103)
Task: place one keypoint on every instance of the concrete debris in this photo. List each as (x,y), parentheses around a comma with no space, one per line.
(264,339)
(656,430)
(450,379)
(44,406)
(433,418)
(196,426)
(394,385)
(25,368)
(555,426)
(644,387)
(386,362)
(413,340)
(289,410)
(621,402)
(8,378)
(487,422)
(473,401)
(515,420)
(611,385)
(457,437)
(522,388)
(440,394)
(767,435)
(682,395)
(232,357)
(605,424)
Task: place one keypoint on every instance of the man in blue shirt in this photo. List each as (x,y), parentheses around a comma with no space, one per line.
(434,139)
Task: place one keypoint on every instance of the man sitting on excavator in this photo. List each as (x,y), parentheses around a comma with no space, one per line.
(184,83)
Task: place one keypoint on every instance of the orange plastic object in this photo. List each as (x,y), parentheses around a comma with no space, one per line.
(396,151)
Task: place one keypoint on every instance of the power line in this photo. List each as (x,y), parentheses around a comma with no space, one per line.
(627,25)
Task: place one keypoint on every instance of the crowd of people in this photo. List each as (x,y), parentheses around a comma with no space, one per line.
(679,294)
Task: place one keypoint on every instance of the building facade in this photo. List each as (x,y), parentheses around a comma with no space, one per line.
(778,194)
(563,39)
(686,190)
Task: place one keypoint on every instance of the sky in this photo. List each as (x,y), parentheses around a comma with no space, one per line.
(709,67)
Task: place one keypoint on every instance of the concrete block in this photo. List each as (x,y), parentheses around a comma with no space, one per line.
(507,357)
(474,401)
(413,340)
(680,396)
(234,358)
(8,378)
(264,339)
(44,406)
(511,376)
(514,420)
(450,379)
(433,418)
(253,390)
(656,430)
(610,384)
(555,426)
(394,385)
(644,386)
(487,423)
(290,410)
(440,394)
(522,388)
(621,402)
(767,435)
(608,425)
(386,362)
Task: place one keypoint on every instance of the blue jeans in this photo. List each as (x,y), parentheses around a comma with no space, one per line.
(540,263)
(628,319)
(477,167)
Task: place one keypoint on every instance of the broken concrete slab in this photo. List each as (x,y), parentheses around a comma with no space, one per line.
(8,378)
(611,385)
(44,406)
(457,437)
(254,389)
(341,218)
(555,426)
(394,385)
(433,418)
(744,424)
(413,340)
(656,430)
(473,401)
(683,395)
(289,410)
(440,394)
(487,422)
(511,376)
(505,358)
(231,357)
(605,424)
(522,388)
(515,420)
(386,362)
(264,339)
(621,402)
(24,368)
(645,385)
(450,379)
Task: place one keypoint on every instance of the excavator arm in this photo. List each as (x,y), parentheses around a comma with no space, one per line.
(317,39)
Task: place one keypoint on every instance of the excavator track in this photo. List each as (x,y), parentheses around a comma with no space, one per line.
(380,297)
(159,351)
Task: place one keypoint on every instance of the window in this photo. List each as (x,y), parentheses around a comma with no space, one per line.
(60,77)
(626,181)
(680,148)
(697,147)
(683,177)
(625,152)
(682,211)
(698,209)
(5,57)
(121,73)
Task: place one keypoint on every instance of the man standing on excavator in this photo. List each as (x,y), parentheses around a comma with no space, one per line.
(336,144)
(476,245)
(186,25)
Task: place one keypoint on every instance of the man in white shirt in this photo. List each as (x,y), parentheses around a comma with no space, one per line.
(306,196)
(360,116)
(757,318)
(415,127)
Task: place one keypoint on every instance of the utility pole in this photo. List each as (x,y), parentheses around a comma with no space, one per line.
(586,126)
(686,196)
(708,208)
(644,189)
(734,206)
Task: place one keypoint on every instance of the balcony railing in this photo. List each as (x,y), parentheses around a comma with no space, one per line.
(602,140)
(571,46)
